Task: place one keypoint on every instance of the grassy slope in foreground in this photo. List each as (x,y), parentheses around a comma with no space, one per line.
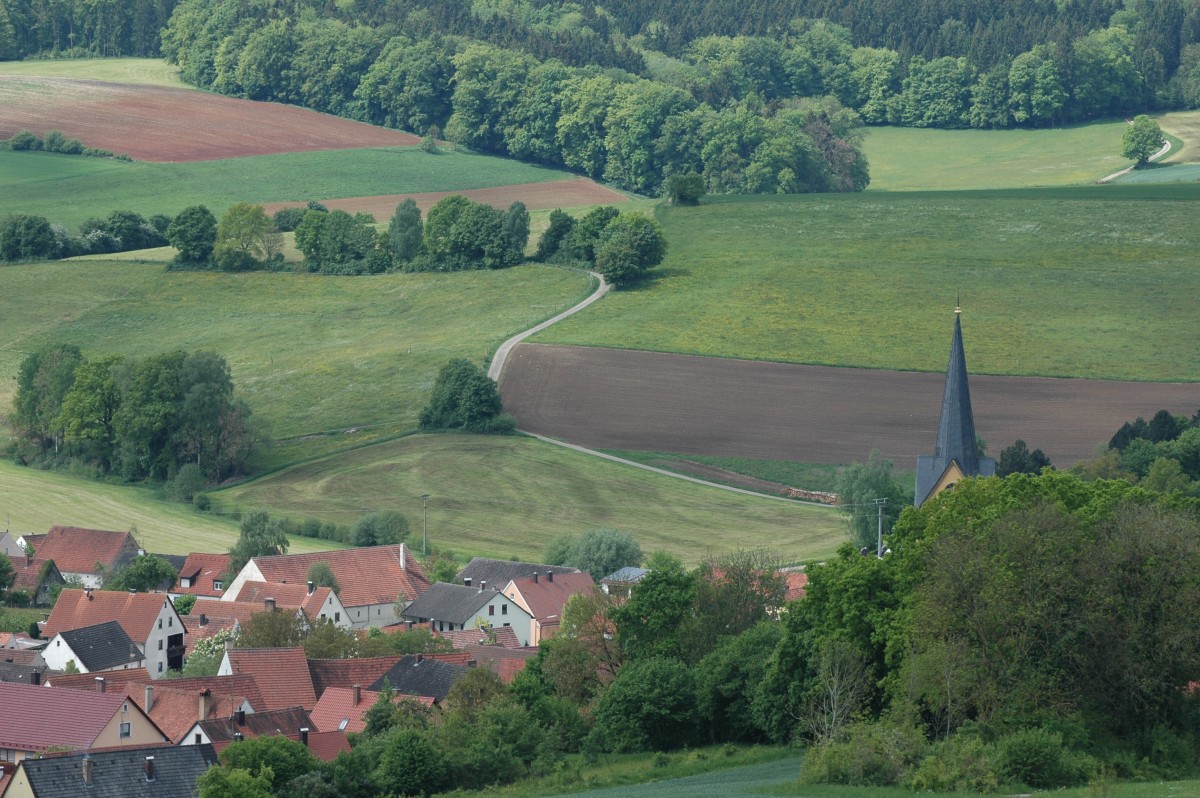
(70,189)
(309,353)
(33,501)
(1085,282)
(508,496)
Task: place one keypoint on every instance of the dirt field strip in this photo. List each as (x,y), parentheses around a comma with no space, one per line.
(548,195)
(648,401)
(161,124)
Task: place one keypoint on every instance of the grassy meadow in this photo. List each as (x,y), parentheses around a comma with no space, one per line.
(142,71)
(1092,282)
(70,189)
(310,353)
(32,501)
(508,496)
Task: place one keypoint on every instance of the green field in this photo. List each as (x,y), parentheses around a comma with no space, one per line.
(508,496)
(913,159)
(1084,282)
(69,189)
(33,501)
(310,353)
(1183,125)
(147,71)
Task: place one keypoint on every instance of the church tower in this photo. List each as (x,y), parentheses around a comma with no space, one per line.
(955,456)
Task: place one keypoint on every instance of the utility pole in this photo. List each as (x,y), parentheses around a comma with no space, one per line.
(424,523)
(879,534)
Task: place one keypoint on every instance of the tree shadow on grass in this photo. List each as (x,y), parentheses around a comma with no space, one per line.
(652,278)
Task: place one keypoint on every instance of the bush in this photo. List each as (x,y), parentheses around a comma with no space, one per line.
(464,397)
(186,484)
(25,141)
(873,754)
(287,219)
(1033,757)
(202,502)
(685,189)
(964,763)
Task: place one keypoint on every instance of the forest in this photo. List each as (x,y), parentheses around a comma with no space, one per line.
(756,98)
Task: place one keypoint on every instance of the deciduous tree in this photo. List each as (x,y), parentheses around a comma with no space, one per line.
(1141,140)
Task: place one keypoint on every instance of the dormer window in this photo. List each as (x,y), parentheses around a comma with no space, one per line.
(218,584)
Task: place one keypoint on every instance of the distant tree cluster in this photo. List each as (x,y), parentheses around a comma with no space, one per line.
(26,237)
(1162,454)
(598,552)
(457,234)
(465,398)
(620,246)
(54,141)
(138,418)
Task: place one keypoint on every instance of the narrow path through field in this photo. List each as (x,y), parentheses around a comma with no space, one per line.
(1166,147)
(498,360)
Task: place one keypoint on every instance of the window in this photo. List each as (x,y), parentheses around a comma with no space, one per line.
(160,667)
(504,609)
(170,621)
(507,624)
(218,585)
(199,739)
(126,730)
(160,623)
(337,617)
(344,723)
(491,609)
(160,642)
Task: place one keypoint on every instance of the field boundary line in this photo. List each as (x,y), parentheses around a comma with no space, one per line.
(501,356)
(664,472)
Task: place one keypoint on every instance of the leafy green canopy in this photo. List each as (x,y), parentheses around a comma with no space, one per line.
(465,398)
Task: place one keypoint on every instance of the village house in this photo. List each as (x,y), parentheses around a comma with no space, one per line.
(281,674)
(372,580)
(36,719)
(88,555)
(446,608)
(543,598)
(230,727)
(421,675)
(149,619)
(202,576)
(501,572)
(317,603)
(91,649)
(36,578)
(344,708)
(143,771)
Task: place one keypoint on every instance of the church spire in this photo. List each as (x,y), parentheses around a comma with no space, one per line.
(956,447)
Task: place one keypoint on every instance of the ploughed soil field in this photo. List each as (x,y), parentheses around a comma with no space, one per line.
(536,196)
(155,123)
(649,401)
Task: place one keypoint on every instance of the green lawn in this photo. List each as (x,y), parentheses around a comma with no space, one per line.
(147,71)
(70,189)
(310,353)
(915,159)
(508,496)
(33,501)
(1084,282)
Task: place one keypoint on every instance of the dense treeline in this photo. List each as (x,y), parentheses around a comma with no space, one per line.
(139,418)
(28,237)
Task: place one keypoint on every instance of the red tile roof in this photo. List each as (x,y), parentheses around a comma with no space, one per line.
(369,575)
(136,612)
(202,568)
(37,718)
(346,673)
(504,636)
(176,710)
(796,582)
(504,662)
(235,685)
(288,721)
(324,745)
(77,550)
(20,656)
(287,595)
(546,598)
(114,681)
(282,675)
(29,573)
(229,611)
(337,706)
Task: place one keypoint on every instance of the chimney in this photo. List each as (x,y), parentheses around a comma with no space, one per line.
(304,736)
(269,603)
(100,684)
(311,587)
(482,585)
(203,619)
(35,678)
(149,768)
(467,581)
(357,692)
(241,716)
(535,577)
(89,593)
(408,625)
(549,576)
(403,558)
(149,698)
(87,770)
(420,658)
(28,559)
(133,591)
(205,696)
(141,552)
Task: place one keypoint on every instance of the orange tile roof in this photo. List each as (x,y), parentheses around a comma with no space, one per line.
(503,636)
(369,575)
(76,550)
(796,582)
(287,595)
(324,745)
(546,598)
(337,706)
(346,673)
(176,710)
(282,675)
(114,681)
(202,568)
(235,685)
(504,662)
(29,573)
(136,612)
(33,717)
(212,610)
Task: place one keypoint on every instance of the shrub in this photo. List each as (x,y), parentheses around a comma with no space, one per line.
(464,397)
(964,763)
(25,141)
(685,189)
(202,502)
(1033,757)
(187,483)
(872,754)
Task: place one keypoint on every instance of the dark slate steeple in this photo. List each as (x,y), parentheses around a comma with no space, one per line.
(956,427)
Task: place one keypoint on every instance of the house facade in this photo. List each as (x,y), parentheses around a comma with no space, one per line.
(88,555)
(94,649)
(448,608)
(149,619)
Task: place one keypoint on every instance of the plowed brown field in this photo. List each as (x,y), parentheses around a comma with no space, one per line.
(647,401)
(154,123)
(536,196)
